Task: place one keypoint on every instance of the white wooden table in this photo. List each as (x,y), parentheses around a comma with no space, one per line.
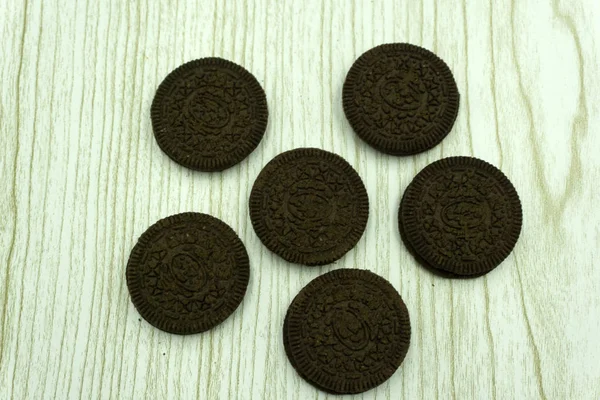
(82,178)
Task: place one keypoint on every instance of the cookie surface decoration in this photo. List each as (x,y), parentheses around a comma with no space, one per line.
(400,98)
(187,273)
(461,215)
(209,114)
(309,206)
(347,331)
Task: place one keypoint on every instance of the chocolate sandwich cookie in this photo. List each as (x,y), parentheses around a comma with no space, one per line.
(309,206)
(460,215)
(347,331)
(400,98)
(187,273)
(209,114)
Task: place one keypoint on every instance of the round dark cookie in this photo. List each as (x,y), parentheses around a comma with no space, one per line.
(347,331)
(400,98)
(460,215)
(209,114)
(309,206)
(187,273)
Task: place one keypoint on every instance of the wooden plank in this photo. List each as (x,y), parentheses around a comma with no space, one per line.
(83,178)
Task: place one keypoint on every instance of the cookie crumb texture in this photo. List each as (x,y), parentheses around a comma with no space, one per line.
(309,206)
(347,331)
(400,98)
(209,114)
(461,215)
(187,273)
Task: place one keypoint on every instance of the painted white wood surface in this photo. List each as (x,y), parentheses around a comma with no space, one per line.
(82,178)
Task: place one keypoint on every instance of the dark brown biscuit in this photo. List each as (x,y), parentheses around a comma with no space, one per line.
(460,215)
(209,114)
(400,98)
(309,206)
(347,331)
(187,273)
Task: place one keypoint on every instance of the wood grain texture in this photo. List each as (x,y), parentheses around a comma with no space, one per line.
(82,178)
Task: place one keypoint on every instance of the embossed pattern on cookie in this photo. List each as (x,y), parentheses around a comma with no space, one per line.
(209,114)
(461,215)
(400,98)
(187,273)
(309,206)
(347,331)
